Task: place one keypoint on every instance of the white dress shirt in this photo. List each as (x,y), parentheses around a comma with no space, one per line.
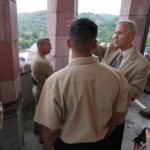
(126,54)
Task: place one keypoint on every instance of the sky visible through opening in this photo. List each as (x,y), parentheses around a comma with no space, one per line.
(94,6)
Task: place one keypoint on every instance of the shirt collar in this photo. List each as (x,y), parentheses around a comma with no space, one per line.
(83,61)
(39,54)
(127,52)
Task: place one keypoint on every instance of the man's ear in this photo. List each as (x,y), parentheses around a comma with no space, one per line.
(132,36)
(69,43)
(94,44)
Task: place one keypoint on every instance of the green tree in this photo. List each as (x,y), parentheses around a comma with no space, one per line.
(32,26)
(24,44)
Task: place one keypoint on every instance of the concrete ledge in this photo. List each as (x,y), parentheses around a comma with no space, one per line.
(26,89)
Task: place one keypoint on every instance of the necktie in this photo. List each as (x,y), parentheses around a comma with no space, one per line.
(116,63)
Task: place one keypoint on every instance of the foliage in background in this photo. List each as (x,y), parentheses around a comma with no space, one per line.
(32,26)
(106,25)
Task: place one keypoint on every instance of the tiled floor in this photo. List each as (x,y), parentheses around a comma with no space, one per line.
(31,141)
(134,125)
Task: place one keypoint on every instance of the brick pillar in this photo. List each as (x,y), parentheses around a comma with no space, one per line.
(11,133)
(136,10)
(59,12)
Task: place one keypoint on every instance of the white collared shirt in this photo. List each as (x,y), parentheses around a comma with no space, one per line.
(126,54)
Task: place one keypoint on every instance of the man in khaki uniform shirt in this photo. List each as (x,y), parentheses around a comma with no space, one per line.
(41,69)
(133,65)
(82,103)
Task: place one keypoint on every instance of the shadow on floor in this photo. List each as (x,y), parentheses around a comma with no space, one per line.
(31,141)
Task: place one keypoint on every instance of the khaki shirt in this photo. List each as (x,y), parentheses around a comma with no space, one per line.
(135,69)
(80,100)
(41,69)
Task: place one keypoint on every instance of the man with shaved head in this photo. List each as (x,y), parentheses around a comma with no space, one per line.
(41,69)
(82,103)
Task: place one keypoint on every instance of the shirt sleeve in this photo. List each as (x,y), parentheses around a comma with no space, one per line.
(46,69)
(122,101)
(49,110)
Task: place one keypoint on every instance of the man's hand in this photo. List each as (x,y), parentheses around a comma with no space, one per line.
(49,137)
(115,120)
(104,44)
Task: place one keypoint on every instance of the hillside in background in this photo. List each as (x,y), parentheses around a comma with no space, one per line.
(106,24)
(108,17)
(32,22)
(98,18)
(31,26)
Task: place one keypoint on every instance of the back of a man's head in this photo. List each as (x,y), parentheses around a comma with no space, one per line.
(82,33)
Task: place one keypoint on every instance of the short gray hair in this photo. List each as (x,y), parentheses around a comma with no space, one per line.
(131,24)
(42,40)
